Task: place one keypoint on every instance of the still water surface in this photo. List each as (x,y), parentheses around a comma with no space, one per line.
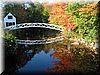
(40,62)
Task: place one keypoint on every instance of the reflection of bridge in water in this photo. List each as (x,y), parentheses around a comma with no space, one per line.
(46,41)
(25,27)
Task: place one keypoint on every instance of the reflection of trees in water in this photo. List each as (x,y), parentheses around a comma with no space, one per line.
(25,54)
(15,59)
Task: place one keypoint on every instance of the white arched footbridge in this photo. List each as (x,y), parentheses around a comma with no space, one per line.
(38,25)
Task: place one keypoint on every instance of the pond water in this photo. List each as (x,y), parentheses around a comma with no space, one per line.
(40,62)
(42,59)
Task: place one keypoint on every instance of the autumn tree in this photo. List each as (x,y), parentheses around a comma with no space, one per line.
(58,15)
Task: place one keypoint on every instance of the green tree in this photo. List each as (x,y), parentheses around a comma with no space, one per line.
(37,13)
(84,17)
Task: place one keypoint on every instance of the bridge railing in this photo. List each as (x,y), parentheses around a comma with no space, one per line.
(41,25)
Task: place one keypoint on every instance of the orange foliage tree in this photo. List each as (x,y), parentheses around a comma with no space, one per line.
(58,16)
